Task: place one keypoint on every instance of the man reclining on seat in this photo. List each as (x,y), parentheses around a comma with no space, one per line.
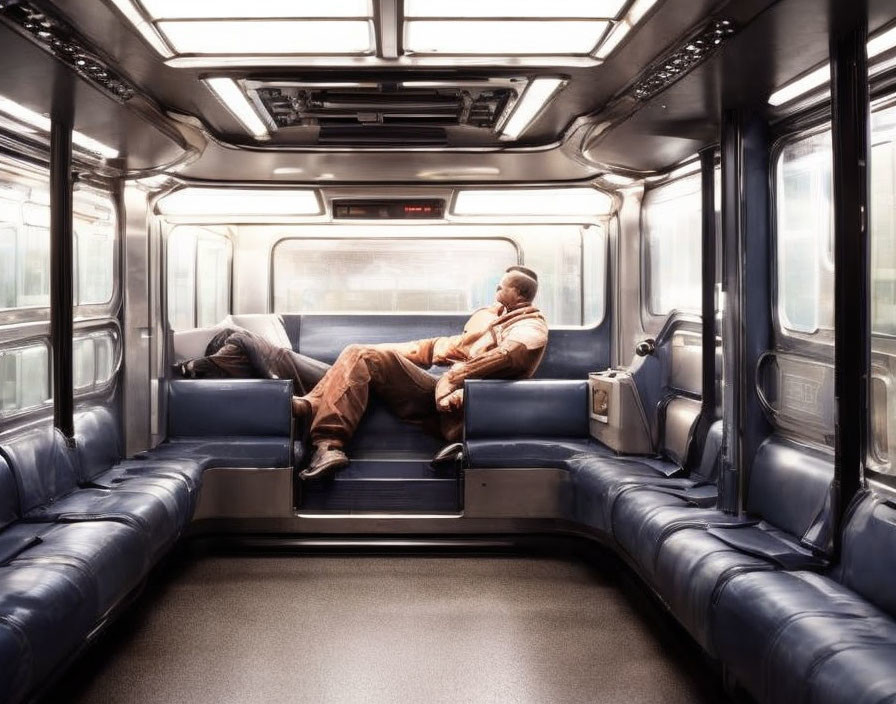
(503,341)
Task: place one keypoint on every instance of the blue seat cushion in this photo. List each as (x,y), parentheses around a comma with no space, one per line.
(598,481)
(97,442)
(643,517)
(9,495)
(553,452)
(43,466)
(114,556)
(51,608)
(857,675)
(691,567)
(153,509)
(187,472)
(777,631)
(221,408)
(13,678)
(225,452)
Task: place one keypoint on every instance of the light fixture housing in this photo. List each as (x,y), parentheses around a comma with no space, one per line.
(575,201)
(229,9)
(146,29)
(228,203)
(257,37)
(533,101)
(18,112)
(577,9)
(233,98)
(621,29)
(502,37)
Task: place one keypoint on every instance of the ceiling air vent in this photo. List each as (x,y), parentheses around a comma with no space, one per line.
(385,111)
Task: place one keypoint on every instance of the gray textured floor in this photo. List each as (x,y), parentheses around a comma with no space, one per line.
(389,629)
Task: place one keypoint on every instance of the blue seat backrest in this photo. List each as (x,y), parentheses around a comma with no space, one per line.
(9,495)
(323,337)
(542,407)
(710,459)
(790,486)
(43,466)
(97,442)
(570,354)
(229,408)
(868,564)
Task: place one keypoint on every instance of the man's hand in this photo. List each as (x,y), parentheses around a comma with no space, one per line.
(445,390)
(452,402)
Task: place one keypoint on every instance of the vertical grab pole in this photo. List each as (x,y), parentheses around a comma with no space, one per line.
(852,340)
(61,269)
(730,476)
(708,297)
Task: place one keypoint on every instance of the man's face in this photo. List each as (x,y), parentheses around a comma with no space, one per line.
(506,294)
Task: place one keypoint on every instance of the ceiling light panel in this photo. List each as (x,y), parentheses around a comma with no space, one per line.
(233,9)
(556,202)
(803,85)
(622,28)
(580,9)
(235,100)
(534,100)
(502,38)
(228,202)
(270,37)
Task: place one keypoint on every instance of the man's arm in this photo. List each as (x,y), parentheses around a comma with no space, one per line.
(513,357)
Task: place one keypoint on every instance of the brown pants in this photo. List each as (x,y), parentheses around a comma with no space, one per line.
(340,398)
(244,355)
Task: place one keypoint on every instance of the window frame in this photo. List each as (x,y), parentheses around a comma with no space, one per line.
(21,343)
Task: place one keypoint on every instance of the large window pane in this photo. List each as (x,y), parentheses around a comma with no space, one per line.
(672,225)
(24,378)
(388,275)
(212,281)
(198,278)
(883,222)
(94,225)
(84,363)
(25,241)
(805,235)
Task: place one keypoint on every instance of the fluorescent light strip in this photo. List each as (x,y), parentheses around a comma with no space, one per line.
(557,202)
(622,28)
(502,37)
(639,9)
(803,85)
(534,99)
(270,36)
(147,31)
(239,202)
(877,45)
(595,9)
(229,9)
(43,123)
(234,99)
(619,32)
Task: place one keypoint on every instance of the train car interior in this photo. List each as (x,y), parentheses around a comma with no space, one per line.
(278,421)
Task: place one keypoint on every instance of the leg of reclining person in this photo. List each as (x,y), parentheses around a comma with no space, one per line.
(241,354)
(338,402)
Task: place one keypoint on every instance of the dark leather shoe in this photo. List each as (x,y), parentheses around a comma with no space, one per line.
(448,457)
(325,462)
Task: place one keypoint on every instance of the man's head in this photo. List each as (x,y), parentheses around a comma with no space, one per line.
(517,287)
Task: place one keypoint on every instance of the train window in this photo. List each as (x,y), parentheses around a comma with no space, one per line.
(25,241)
(95,360)
(388,275)
(407,274)
(805,266)
(883,223)
(94,231)
(199,277)
(24,378)
(672,227)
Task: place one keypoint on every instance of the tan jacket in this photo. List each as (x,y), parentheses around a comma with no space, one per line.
(495,343)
